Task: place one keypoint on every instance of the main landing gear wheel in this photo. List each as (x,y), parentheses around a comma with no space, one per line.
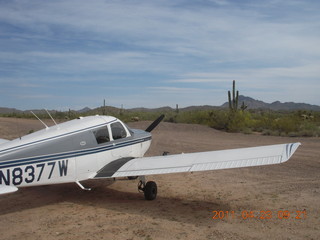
(149,189)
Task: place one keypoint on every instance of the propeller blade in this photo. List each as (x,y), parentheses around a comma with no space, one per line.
(155,123)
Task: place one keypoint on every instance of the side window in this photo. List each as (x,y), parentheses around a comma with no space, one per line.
(102,135)
(118,131)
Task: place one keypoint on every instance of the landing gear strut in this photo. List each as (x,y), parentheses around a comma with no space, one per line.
(149,189)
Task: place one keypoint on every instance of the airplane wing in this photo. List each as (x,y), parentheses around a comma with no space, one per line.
(3,141)
(4,189)
(203,161)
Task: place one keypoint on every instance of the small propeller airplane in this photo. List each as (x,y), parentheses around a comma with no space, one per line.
(97,147)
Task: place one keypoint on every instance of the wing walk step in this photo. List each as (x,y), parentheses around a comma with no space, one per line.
(112,167)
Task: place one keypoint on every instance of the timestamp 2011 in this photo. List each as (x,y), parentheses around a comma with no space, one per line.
(259,214)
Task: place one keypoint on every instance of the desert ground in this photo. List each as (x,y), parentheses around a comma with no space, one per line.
(186,203)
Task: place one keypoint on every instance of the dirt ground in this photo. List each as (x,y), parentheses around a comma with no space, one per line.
(186,203)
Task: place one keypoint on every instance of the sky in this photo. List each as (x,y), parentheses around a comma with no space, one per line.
(74,53)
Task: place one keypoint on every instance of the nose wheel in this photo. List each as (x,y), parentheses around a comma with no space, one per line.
(149,189)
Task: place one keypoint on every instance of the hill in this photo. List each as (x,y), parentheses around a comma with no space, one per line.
(250,102)
(276,106)
(4,110)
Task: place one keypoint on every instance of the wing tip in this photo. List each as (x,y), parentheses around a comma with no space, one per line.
(294,147)
(290,150)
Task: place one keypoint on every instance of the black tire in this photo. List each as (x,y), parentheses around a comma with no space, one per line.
(150,191)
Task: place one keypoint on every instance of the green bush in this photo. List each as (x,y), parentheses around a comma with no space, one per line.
(219,119)
(309,129)
(239,121)
(285,125)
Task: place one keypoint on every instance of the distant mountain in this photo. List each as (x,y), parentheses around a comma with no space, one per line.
(161,109)
(250,102)
(293,106)
(257,104)
(4,110)
(84,110)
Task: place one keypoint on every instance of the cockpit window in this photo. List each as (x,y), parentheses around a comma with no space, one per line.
(102,135)
(118,131)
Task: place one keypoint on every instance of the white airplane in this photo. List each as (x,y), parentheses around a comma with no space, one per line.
(104,147)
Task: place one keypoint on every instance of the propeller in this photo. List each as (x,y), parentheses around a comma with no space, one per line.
(155,123)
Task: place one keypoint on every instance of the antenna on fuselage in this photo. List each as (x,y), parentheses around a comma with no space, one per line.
(39,120)
(51,117)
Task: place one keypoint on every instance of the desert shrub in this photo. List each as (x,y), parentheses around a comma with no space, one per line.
(285,125)
(309,129)
(238,121)
(219,119)
(247,130)
(268,132)
(263,121)
(195,117)
(142,116)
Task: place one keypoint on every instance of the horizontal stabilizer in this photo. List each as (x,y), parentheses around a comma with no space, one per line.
(4,189)
(204,161)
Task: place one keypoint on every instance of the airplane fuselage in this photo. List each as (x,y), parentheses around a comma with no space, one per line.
(69,152)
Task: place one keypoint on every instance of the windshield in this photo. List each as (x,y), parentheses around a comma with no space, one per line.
(118,131)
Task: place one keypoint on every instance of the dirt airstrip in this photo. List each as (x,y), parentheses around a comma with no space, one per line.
(186,203)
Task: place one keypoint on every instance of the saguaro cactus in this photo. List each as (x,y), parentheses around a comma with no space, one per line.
(243,106)
(233,103)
